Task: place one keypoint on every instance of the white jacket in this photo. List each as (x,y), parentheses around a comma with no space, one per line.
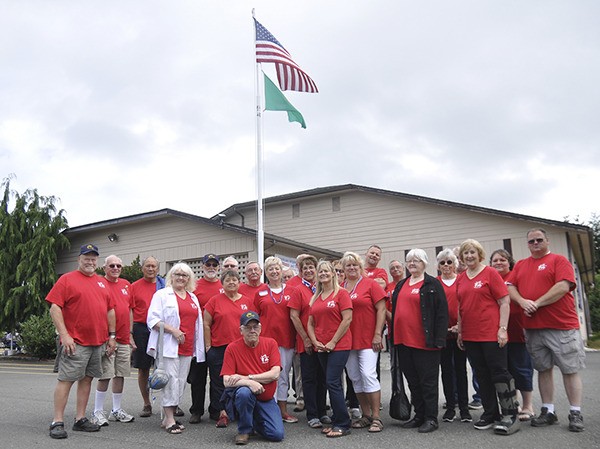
(164,307)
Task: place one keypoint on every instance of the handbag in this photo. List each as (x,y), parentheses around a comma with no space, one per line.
(400,406)
(159,378)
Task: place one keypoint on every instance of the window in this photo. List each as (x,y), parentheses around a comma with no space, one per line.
(335,204)
(295,210)
(507,245)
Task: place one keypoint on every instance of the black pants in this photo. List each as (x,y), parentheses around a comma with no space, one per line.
(489,362)
(454,376)
(214,360)
(422,371)
(197,380)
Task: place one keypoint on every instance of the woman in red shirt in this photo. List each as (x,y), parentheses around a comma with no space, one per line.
(328,328)
(482,329)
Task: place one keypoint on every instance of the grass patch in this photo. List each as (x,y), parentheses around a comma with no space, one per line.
(594,341)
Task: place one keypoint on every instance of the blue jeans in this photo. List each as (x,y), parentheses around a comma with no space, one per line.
(313,384)
(333,364)
(262,417)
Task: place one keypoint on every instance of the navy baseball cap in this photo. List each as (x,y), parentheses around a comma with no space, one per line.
(89,248)
(210,257)
(249,316)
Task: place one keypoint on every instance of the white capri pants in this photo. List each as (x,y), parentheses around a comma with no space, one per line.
(178,369)
(283,384)
(362,370)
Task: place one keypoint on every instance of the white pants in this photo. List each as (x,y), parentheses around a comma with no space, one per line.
(178,369)
(362,370)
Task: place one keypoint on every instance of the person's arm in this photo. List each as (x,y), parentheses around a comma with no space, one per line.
(341,330)
(207,324)
(295,317)
(529,307)
(59,323)
(380,310)
(253,381)
(131,340)
(557,291)
(504,304)
(459,340)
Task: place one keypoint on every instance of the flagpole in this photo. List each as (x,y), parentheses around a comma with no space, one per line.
(260,233)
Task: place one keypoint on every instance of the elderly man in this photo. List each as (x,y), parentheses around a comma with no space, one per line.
(250,371)
(542,286)
(253,282)
(207,286)
(82,310)
(372,258)
(118,365)
(230,263)
(141,293)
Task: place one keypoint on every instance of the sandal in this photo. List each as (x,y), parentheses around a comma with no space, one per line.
(326,429)
(526,416)
(376,426)
(361,423)
(174,429)
(337,432)
(177,422)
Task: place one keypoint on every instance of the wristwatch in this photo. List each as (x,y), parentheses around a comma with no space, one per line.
(502,327)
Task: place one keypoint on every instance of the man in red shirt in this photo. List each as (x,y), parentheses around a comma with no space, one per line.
(82,310)
(253,282)
(251,367)
(207,286)
(118,365)
(372,258)
(542,286)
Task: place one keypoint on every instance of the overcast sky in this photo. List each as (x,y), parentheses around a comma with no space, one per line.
(122,107)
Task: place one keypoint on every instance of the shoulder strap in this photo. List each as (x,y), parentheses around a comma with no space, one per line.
(159,344)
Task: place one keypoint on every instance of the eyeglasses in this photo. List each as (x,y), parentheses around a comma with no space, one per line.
(532,241)
(115,265)
(229,266)
(181,275)
(414,261)
(253,327)
(446,262)
(213,265)
(337,270)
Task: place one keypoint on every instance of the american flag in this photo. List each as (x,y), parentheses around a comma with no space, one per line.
(290,76)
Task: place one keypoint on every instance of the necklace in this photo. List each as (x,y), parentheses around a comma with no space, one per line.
(353,288)
(280,295)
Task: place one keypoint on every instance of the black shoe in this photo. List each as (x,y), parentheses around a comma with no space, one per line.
(178,412)
(195,418)
(413,423)
(465,416)
(544,419)
(428,426)
(483,424)
(449,415)
(575,421)
(475,405)
(57,430)
(85,425)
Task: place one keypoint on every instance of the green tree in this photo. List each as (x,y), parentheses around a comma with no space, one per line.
(30,237)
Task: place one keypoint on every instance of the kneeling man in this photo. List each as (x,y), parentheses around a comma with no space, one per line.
(251,367)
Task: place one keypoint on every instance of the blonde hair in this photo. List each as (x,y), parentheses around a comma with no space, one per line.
(351,257)
(468,244)
(319,290)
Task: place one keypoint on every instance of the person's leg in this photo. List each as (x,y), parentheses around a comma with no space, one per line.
(308,369)
(520,368)
(407,365)
(197,380)
(371,388)
(546,386)
(448,374)
(214,359)
(297,379)
(573,388)
(61,396)
(334,363)
(487,392)
(283,384)
(427,368)
(267,420)
(143,362)
(245,402)
(460,375)
(84,387)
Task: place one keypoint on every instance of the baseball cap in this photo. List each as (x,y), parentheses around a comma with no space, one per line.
(249,316)
(89,248)
(210,257)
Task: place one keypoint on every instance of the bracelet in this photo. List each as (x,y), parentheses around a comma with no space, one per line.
(502,328)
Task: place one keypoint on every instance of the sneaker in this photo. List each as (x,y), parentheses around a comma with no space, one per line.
(465,416)
(482,424)
(84,425)
(449,415)
(146,411)
(57,430)
(289,418)
(575,421)
(99,417)
(355,413)
(223,421)
(325,419)
(315,423)
(475,405)
(120,415)
(544,419)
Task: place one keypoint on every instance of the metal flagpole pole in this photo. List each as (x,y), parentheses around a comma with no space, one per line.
(260,233)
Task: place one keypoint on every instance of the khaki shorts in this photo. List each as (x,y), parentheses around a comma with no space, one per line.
(85,362)
(118,364)
(550,347)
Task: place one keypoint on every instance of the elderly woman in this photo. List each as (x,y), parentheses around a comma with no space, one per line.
(453,359)
(222,326)
(368,309)
(271,303)
(328,328)
(519,361)
(419,328)
(483,306)
(179,312)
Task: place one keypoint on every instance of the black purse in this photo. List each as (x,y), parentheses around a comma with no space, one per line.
(400,406)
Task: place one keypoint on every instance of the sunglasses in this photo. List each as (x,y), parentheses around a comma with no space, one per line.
(214,265)
(229,266)
(115,265)
(532,241)
(446,262)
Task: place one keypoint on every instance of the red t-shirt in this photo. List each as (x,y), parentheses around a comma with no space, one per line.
(120,294)
(533,278)
(515,331)
(188,314)
(365,294)
(243,360)
(206,290)
(85,302)
(294,281)
(141,293)
(478,306)
(249,290)
(275,315)
(408,323)
(327,316)
(225,314)
(377,272)
(452,300)
(300,300)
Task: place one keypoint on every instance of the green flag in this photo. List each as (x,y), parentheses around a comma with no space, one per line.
(276,101)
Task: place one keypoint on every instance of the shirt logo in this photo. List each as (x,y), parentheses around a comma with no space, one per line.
(478,284)
(331,304)
(244,307)
(286,297)
(124,291)
(194,306)
(415,291)
(353,296)
(542,267)
(221,290)
(264,359)
(100,284)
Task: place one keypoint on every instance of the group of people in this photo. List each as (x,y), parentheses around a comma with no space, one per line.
(326,325)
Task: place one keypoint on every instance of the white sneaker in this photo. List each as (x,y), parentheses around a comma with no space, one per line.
(120,415)
(99,417)
(355,413)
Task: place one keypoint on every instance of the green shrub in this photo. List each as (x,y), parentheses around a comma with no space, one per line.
(38,336)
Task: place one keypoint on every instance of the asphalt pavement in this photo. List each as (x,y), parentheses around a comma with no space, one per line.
(26,390)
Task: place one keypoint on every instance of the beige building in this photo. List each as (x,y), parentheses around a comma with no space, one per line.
(328,221)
